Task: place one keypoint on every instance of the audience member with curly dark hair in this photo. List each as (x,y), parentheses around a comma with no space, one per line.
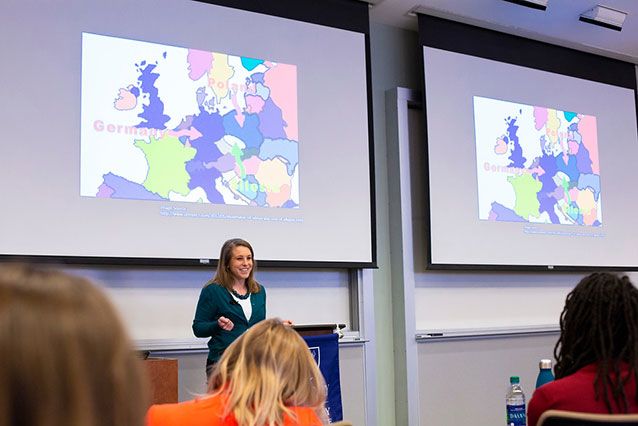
(597,352)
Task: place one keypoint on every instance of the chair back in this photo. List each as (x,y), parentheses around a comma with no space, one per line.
(572,418)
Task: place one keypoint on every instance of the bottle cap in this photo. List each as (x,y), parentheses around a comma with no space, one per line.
(545,364)
(514,380)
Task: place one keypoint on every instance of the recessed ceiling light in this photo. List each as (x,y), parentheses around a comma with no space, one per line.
(534,4)
(605,17)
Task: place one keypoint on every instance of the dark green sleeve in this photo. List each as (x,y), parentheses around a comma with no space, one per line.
(206,314)
(259,306)
(264,313)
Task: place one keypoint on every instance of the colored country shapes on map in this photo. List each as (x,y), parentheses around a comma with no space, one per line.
(569,116)
(554,184)
(501,213)
(219,75)
(152,114)
(284,95)
(587,129)
(199,62)
(271,121)
(114,186)
(591,182)
(126,98)
(166,159)
(552,126)
(197,195)
(525,187)
(240,191)
(516,157)
(254,104)
(540,117)
(284,149)
(246,113)
(251,63)
(275,173)
(270,93)
(576,204)
(258,182)
(249,133)
(501,146)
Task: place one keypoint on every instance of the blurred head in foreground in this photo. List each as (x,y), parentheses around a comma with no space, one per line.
(65,358)
(265,371)
(599,324)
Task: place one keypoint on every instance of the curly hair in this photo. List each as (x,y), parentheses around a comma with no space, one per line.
(599,324)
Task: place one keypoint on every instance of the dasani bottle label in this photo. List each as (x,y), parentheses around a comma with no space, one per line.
(516,415)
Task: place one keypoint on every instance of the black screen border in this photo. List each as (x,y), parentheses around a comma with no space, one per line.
(351,15)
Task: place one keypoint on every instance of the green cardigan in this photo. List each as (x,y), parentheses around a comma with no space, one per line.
(216,301)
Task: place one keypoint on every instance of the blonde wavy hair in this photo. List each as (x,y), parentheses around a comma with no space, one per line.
(65,357)
(266,370)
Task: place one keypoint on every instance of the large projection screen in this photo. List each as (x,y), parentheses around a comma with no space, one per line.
(531,153)
(152,131)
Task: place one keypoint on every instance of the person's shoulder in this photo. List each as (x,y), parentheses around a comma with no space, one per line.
(550,390)
(303,416)
(577,382)
(259,296)
(202,411)
(584,376)
(163,414)
(214,288)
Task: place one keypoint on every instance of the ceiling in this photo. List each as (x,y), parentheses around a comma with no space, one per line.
(558,24)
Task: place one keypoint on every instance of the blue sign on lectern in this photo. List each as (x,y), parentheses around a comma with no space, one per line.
(325,350)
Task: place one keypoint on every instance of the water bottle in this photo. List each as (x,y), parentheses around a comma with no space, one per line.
(545,374)
(515,403)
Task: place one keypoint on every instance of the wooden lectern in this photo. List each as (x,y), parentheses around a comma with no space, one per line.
(162,373)
(316,329)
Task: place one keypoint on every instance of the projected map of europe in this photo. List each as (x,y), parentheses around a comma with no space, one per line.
(170,123)
(536,164)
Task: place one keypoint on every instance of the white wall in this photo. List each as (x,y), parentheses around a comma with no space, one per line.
(159,303)
(464,382)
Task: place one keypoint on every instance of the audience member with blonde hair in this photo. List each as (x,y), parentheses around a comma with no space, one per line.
(65,359)
(267,377)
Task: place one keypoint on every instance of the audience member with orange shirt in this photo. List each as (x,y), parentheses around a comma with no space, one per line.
(267,377)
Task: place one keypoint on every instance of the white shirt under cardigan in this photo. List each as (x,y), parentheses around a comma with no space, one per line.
(245,304)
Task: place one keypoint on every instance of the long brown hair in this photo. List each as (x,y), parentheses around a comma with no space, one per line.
(266,370)
(65,357)
(599,324)
(223,276)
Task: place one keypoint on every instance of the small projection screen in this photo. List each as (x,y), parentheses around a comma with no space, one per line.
(531,153)
(151,131)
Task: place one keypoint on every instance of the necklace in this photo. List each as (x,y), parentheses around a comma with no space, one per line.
(240,296)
